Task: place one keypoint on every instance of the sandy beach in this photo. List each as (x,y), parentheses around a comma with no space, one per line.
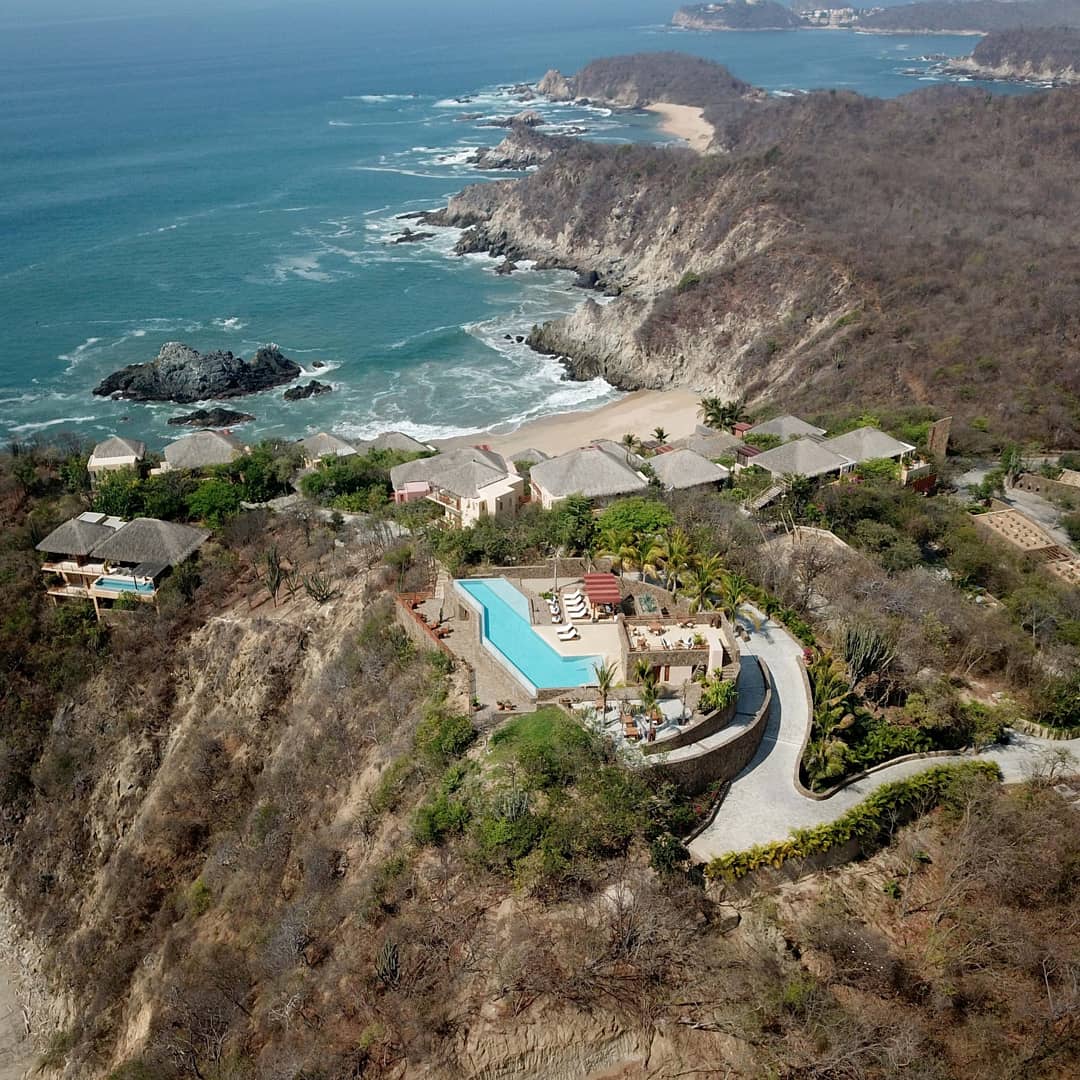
(639,412)
(685,121)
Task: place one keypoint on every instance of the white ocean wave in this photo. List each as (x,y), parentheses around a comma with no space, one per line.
(338,123)
(78,354)
(42,424)
(377,99)
(231,323)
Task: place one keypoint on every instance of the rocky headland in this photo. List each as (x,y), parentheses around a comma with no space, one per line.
(968,16)
(737,15)
(829,254)
(1039,56)
(523,148)
(184,375)
(211,418)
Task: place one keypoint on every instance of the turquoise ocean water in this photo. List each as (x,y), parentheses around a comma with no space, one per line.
(228,181)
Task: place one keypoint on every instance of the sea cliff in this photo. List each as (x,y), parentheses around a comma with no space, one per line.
(1040,56)
(835,250)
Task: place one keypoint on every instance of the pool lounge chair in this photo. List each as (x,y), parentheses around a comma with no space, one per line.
(577,594)
(577,607)
(569,634)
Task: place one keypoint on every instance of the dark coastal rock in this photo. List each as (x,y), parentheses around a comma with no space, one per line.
(313,389)
(464,117)
(587,279)
(212,418)
(183,375)
(523,148)
(506,267)
(316,364)
(412,215)
(529,118)
(410,237)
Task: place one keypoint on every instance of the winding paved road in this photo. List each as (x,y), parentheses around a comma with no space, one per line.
(764,804)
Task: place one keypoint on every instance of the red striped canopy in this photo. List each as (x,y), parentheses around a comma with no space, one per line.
(602,588)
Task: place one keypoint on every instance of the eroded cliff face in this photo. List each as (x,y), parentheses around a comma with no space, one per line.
(1018,70)
(711,294)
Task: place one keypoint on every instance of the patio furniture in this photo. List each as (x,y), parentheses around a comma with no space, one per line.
(630,730)
(569,634)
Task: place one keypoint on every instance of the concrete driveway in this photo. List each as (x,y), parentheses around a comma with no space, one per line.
(764,805)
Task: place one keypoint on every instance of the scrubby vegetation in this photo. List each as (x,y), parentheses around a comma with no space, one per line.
(925,263)
(983,15)
(277,843)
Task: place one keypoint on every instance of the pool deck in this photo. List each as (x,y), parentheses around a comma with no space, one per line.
(597,639)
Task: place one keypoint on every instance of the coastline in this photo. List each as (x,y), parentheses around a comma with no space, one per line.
(639,412)
(687,122)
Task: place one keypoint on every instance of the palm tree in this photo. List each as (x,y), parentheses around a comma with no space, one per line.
(734,593)
(622,548)
(721,414)
(643,672)
(605,680)
(631,442)
(712,411)
(671,553)
(659,434)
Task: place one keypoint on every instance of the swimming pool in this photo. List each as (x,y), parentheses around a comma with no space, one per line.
(508,634)
(119,584)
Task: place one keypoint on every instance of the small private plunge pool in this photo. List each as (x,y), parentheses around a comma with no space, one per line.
(507,633)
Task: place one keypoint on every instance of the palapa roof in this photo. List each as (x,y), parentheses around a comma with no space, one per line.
(785,427)
(866,444)
(203,448)
(593,471)
(530,456)
(149,540)
(116,448)
(394,440)
(710,445)
(680,469)
(463,471)
(803,457)
(326,445)
(76,537)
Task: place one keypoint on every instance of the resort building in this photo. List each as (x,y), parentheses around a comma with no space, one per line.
(323,445)
(604,470)
(104,559)
(470,484)
(710,444)
(529,457)
(394,440)
(803,457)
(813,457)
(201,450)
(786,427)
(683,470)
(113,454)
(868,444)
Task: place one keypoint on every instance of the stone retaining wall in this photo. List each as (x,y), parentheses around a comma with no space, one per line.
(1050,489)
(726,761)
(708,725)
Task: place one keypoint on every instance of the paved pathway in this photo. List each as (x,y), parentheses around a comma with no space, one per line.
(764,805)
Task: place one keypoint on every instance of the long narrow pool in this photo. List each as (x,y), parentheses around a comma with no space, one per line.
(508,633)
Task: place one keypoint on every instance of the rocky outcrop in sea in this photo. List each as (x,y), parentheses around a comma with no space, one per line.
(313,389)
(211,418)
(184,375)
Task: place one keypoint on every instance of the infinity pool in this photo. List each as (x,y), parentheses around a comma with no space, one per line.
(119,584)
(508,633)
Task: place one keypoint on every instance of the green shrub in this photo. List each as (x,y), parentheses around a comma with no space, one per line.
(870,823)
(688,281)
(442,736)
(198,898)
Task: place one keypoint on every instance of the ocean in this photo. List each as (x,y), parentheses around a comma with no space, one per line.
(231,180)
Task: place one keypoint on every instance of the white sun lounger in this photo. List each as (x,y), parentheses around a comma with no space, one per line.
(569,634)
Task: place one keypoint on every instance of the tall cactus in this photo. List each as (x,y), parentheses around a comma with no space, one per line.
(388,965)
(866,652)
